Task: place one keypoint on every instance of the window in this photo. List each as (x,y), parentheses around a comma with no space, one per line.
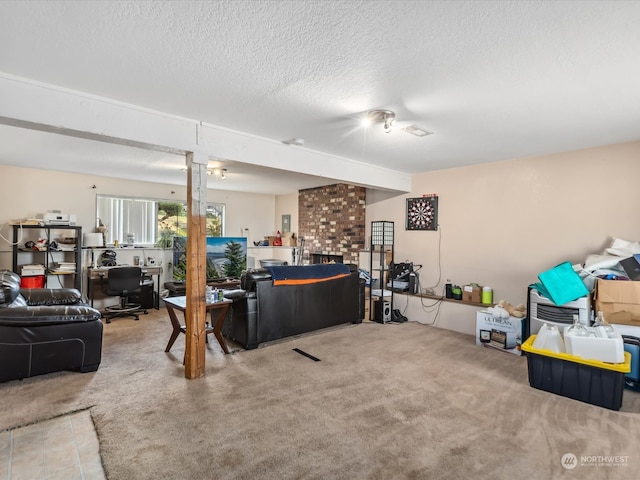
(148,221)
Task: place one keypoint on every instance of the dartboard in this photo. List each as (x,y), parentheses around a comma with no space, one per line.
(422,213)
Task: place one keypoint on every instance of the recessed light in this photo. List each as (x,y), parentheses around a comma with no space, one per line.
(417,131)
(295,141)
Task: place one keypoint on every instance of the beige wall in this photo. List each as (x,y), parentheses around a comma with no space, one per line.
(29,193)
(287,205)
(502,223)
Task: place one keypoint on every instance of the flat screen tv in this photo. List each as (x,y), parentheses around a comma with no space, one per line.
(226,257)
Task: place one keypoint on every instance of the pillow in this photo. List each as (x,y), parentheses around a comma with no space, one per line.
(9,287)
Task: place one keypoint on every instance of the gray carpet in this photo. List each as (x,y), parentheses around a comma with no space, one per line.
(385,401)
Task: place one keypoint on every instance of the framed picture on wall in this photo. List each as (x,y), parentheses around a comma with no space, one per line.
(422,213)
(286,223)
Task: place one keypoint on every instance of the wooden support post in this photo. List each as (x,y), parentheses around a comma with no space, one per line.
(195,315)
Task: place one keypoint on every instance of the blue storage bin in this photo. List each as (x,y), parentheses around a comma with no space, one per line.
(632,345)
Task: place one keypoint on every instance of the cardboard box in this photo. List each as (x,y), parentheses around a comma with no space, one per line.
(619,301)
(502,333)
(367,310)
(370,310)
(472,293)
(289,239)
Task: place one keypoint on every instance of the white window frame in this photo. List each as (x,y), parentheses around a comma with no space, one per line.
(122,215)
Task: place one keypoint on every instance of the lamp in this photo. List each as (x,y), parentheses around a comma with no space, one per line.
(92,240)
(382,116)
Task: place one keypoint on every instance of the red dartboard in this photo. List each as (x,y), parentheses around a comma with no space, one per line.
(422,213)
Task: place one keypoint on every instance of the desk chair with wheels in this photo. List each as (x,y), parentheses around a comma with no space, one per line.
(123,282)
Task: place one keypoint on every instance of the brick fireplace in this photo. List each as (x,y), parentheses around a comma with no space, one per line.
(332,221)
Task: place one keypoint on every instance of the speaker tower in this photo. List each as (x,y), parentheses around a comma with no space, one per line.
(383,311)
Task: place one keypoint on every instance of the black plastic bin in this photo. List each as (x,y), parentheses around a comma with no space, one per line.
(589,381)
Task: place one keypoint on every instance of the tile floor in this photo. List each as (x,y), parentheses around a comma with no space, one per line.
(61,448)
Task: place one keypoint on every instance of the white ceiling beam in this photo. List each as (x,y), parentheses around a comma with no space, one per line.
(232,145)
(50,108)
(29,104)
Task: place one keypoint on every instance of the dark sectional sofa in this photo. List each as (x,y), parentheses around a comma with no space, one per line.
(46,330)
(263,312)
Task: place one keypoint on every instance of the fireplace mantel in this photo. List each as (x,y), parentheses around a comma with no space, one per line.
(316,257)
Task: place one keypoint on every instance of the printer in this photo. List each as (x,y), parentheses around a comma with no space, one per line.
(58,218)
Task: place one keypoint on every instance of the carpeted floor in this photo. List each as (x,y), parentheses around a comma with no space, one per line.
(385,401)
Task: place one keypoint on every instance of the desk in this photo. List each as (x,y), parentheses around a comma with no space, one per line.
(218,314)
(103,272)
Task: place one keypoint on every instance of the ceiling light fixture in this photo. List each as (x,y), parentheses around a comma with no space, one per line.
(217,172)
(382,116)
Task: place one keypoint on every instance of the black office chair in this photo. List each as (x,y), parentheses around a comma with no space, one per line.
(123,282)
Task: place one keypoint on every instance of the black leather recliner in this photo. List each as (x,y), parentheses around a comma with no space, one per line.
(263,312)
(46,330)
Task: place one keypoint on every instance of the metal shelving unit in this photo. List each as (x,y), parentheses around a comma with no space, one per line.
(48,257)
(381,299)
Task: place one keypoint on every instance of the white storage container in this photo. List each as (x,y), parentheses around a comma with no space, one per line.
(610,350)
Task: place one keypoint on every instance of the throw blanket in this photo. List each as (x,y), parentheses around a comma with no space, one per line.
(304,274)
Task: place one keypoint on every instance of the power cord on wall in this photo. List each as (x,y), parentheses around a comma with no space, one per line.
(430,308)
(10,242)
(431,289)
(435,306)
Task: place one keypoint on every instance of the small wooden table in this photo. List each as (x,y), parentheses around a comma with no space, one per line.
(218,314)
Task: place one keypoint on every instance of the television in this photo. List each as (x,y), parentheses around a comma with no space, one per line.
(226,257)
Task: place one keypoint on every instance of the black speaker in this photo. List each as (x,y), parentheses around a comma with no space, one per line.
(413,283)
(383,311)
(361,299)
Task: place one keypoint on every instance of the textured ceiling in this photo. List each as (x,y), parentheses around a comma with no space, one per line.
(493,80)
